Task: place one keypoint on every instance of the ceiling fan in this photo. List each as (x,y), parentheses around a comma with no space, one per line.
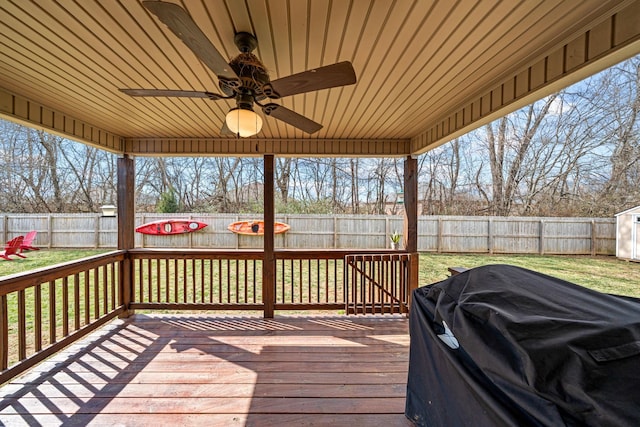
(244,78)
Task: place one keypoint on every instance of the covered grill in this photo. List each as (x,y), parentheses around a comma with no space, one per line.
(501,345)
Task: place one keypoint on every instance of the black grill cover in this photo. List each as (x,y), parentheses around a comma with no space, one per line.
(533,350)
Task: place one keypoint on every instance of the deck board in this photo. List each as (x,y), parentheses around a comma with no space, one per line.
(152,370)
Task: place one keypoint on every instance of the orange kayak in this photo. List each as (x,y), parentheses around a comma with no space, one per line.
(255,228)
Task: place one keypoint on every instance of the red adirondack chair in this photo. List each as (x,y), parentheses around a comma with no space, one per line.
(12,248)
(27,244)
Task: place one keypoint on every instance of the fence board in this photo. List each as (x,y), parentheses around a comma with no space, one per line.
(462,234)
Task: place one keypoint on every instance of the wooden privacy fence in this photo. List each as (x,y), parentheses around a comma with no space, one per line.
(526,235)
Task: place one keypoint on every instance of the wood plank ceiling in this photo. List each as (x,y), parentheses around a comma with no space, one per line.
(425,69)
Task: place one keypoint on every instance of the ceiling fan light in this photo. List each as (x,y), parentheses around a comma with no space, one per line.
(243,122)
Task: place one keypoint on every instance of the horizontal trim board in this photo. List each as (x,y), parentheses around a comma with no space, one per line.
(258,147)
(32,114)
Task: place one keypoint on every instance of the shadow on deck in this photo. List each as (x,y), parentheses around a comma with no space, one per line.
(221,371)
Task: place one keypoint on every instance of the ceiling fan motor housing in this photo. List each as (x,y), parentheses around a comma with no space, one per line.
(252,73)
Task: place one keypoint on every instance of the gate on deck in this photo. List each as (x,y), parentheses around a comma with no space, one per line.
(377,283)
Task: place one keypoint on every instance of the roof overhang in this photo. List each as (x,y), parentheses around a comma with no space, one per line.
(427,71)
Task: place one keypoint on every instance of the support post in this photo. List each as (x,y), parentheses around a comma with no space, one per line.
(411,220)
(126,225)
(269,260)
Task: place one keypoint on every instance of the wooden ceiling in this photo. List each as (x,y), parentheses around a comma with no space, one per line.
(427,70)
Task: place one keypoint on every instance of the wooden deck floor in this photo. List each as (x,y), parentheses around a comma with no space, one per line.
(222,371)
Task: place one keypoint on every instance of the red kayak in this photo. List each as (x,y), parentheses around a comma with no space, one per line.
(170,226)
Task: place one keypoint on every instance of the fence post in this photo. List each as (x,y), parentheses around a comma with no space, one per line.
(285,240)
(50,231)
(387,230)
(5,224)
(541,244)
(593,237)
(490,235)
(439,236)
(96,235)
(237,235)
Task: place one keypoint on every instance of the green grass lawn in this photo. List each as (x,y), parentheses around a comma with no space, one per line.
(605,274)
(43,258)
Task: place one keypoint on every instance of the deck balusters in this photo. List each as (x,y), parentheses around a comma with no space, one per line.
(60,302)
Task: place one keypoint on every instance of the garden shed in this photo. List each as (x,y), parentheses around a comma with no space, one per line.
(628,234)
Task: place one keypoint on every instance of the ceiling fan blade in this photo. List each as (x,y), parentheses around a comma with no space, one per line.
(340,74)
(183,26)
(291,117)
(173,93)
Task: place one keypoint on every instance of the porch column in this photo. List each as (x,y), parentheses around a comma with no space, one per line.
(126,223)
(411,220)
(269,260)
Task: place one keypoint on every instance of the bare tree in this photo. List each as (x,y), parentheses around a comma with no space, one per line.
(283,177)
(622,106)
(508,141)
(576,152)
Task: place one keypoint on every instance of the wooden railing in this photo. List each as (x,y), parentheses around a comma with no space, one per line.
(196,280)
(45,310)
(232,280)
(310,280)
(378,283)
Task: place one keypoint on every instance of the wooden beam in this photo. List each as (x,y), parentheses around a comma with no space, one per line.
(259,147)
(126,225)
(269,261)
(411,204)
(126,202)
(411,221)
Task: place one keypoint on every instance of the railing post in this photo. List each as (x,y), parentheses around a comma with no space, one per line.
(4,333)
